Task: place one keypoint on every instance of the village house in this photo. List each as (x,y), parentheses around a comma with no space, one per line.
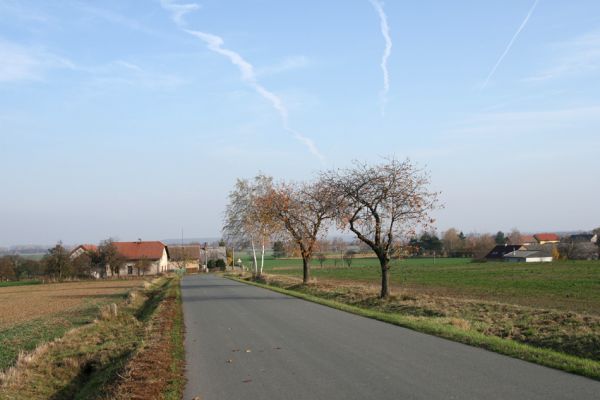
(142,258)
(545,238)
(82,249)
(185,256)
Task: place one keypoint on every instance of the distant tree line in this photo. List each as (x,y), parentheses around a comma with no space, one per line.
(57,264)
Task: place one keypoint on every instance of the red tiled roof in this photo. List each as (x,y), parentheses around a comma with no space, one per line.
(527,239)
(546,237)
(140,250)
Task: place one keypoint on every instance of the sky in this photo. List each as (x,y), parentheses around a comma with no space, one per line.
(132,119)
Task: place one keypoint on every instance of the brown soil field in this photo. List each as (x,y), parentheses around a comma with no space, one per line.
(23,303)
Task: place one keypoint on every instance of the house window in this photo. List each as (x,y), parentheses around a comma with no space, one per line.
(130,270)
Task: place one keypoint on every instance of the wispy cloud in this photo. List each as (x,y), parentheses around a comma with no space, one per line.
(510,44)
(247,70)
(21,63)
(578,56)
(385,31)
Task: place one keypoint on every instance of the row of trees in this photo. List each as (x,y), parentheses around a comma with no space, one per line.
(380,204)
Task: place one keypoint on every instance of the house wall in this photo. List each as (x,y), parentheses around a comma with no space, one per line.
(156,267)
(528,259)
(190,264)
(538,259)
(79,251)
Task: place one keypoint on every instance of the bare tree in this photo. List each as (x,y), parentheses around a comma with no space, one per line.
(245,222)
(348,257)
(480,245)
(143,265)
(322,257)
(338,246)
(514,237)
(57,262)
(7,268)
(110,257)
(381,202)
(452,241)
(302,211)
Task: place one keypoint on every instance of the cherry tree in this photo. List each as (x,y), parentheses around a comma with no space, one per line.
(380,203)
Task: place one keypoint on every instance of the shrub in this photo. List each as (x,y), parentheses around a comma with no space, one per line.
(220,264)
(211,264)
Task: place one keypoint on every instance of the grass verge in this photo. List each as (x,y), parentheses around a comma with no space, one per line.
(94,361)
(434,326)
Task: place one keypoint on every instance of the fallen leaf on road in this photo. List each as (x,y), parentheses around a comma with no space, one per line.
(229,361)
(248,351)
(235,350)
(247,380)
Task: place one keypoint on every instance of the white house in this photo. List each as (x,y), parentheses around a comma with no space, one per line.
(142,258)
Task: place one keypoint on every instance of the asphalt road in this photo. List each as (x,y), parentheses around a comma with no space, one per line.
(244,342)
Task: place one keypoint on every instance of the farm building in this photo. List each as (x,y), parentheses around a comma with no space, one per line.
(529,255)
(187,256)
(82,249)
(498,252)
(584,238)
(142,258)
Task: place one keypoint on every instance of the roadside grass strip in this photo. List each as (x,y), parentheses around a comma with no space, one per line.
(448,329)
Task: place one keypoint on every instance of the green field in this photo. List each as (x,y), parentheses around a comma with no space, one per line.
(19,283)
(566,285)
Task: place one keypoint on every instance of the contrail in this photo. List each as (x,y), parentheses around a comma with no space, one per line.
(487,80)
(385,31)
(178,11)
(215,43)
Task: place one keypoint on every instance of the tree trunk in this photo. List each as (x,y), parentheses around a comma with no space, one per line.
(305,269)
(385,277)
(262,259)
(254,254)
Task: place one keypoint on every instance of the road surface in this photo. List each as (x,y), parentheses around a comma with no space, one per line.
(244,342)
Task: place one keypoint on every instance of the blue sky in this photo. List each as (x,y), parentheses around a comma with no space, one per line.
(133,119)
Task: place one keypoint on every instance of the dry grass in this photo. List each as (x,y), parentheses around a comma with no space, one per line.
(154,367)
(22,303)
